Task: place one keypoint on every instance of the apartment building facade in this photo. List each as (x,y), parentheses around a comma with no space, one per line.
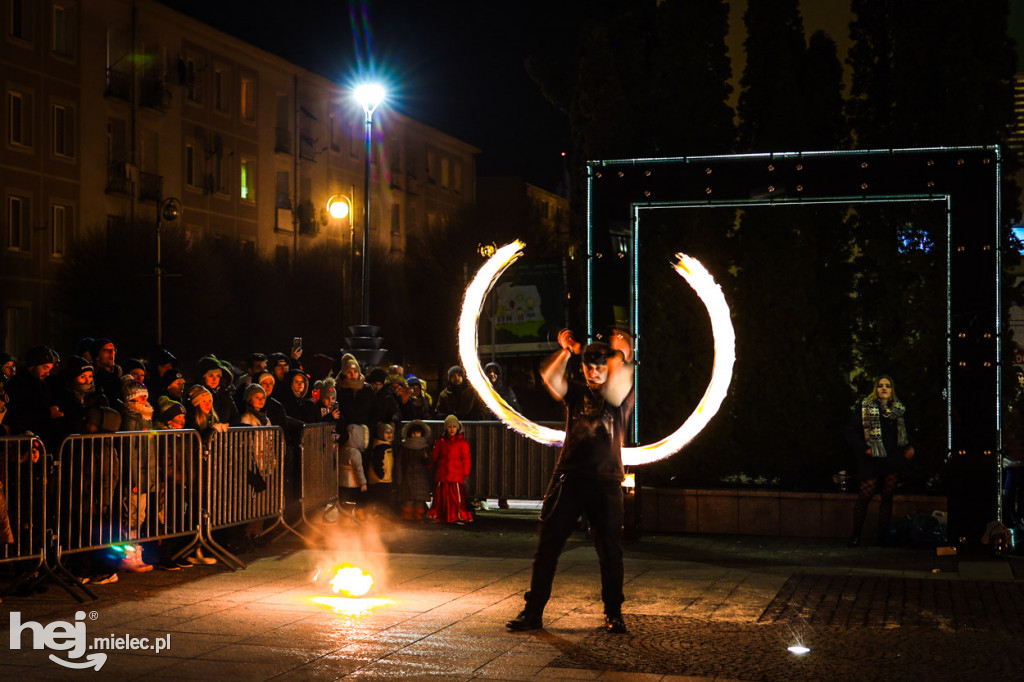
(113,106)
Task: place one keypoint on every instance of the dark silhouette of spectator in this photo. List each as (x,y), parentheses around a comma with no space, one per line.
(496,376)
(107,372)
(459,398)
(412,475)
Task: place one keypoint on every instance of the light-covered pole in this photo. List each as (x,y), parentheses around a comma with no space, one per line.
(369,96)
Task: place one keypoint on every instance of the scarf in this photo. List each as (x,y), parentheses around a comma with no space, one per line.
(871,414)
(351,384)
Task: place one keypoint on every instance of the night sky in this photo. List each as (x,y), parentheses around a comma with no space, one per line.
(457,66)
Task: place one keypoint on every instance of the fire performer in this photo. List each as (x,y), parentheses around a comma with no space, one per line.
(587,477)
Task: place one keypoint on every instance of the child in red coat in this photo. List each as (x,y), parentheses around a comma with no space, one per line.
(450,459)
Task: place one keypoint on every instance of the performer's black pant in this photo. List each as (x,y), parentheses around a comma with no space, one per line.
(567,497)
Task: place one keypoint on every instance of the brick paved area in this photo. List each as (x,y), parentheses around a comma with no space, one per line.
(698,607)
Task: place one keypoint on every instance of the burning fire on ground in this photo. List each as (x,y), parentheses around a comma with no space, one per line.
(350,583)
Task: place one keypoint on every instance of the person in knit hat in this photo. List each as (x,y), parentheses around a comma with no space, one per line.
(200,414)
(379,466)
(31,406)
(136,412)
(76,395)
(137,415)
(450,460)
(459,398)
(356,398)
(178,475)
(136,368)
(423,403)
(351,477)
(274,409)
(216,379)
(170,414)
(254,411)
(174,385)
(411,471)
(7,366)
(327,400)
(107,372)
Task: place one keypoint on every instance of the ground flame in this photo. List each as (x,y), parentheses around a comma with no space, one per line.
(351,581)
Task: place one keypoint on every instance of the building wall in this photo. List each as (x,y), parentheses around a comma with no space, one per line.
(158,111)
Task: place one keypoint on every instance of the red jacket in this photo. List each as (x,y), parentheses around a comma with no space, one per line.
(451,457)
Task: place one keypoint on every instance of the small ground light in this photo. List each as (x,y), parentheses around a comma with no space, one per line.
(798,649)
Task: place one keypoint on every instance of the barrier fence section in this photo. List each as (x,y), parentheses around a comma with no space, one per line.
(245,476)
(505,464)
(127,487)
(23,481)
(318,484)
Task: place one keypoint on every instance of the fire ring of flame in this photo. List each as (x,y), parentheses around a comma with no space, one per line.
(690,269)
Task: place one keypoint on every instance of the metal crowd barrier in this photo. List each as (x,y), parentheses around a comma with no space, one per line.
(505,463)
(244,483)
(25,487)
(127,487)
(318,484)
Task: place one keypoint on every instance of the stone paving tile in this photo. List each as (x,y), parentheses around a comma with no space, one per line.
(324,668)
(222,671)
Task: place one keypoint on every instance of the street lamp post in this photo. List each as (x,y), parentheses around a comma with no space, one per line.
(339,207)
(166,210)
(369,97)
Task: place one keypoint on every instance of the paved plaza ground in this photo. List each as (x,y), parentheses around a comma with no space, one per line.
(698,607)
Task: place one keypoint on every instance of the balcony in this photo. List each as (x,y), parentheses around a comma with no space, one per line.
(282,140)
(155,95)
(151,187)
(119,85)
(119,178)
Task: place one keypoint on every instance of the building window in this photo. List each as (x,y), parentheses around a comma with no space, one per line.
(432,168)
(248,98)
(61,224)
(457,176)
(193,88)
(63,131)
(17,321)
(353,141)
(283,199)
(446,167)
(63,31)
(220,175)
(22,14)
(221,79)
(192,174)
(17,224)
(19,119)
(247,183)
(335,133)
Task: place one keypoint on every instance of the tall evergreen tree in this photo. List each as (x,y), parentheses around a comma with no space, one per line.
(940,76)
(771,104)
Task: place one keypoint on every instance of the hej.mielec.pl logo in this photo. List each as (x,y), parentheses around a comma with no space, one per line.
(72,638)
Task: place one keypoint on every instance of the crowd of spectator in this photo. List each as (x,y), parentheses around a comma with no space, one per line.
(397,471)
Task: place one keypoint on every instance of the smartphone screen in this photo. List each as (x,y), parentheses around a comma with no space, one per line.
(296,343)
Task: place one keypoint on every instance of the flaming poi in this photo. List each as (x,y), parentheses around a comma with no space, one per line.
(699,279)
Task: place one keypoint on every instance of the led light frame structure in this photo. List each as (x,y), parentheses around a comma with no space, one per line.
(966,179)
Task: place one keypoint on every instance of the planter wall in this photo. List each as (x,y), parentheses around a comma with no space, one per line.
(766,512)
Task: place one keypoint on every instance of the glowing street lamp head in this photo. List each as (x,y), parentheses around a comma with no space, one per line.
(338,207)
(369,96)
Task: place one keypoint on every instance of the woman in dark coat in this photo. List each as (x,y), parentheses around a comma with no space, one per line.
(878,433)
(297,404)
(411,472)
